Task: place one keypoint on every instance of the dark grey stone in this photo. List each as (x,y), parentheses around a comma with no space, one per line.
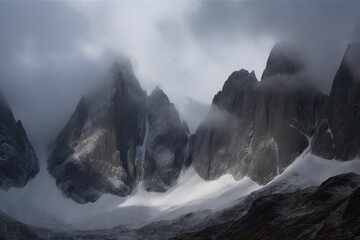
(166,145)
(95,152)
(18,161)
(223,139)
(338,131)
(118,137)
(258,128)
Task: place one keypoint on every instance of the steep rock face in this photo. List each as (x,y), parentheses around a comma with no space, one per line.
(283,60)
(338,132)
(329,211)
(223,139)
(286,112)
(116,138)
(166,143)
(287,109)
(95,152)
(258,129)
(18,161)
(11,229)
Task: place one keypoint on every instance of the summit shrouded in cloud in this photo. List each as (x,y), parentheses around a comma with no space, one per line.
(58,50)
(179,120)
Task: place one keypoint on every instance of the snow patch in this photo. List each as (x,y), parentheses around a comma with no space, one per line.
(88,144)
(310,170)
(40,202)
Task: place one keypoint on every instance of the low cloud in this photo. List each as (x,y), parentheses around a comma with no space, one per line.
(52,53)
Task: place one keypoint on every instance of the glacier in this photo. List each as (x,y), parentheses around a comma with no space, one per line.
(40,203)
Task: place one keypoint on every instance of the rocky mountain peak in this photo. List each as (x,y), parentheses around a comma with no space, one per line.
(166,144)
(337,133)
(352,52)
(117,138)
(17,157)
(239,78)
(221,142)
(124,76)
(283,59)
(5,112)
(122,65)
(351,61)
(159,97)
(238,81)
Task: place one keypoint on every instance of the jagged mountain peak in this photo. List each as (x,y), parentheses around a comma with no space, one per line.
(337,134)
(123,73)
(5,113)
(240,77)
(158,97)
(122,64)
(351,60)
(283,59)
(238,81)
(353,51)
(117,137)
(158,93)
(18,161)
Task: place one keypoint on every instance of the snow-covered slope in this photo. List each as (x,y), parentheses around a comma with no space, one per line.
(41,203)
(310,170)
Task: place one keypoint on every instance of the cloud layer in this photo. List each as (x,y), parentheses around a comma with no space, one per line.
(54,52)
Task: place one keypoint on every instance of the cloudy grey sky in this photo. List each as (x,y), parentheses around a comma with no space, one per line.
(51,53)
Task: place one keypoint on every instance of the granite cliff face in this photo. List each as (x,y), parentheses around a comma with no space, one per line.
(120,136)
(338,132)
(283,60)
(286,112)
(18,161)
(222,141)
(258,128)
(166,143)
(103,148)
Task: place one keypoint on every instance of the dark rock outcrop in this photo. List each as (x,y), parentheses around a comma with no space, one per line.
(283,60)
(287,109)
(286,112)
(102,147)
(166,143)
(18,161)
(329,211)
(338,132)
(223,139)
(258,129)
(11,229)
(95,152)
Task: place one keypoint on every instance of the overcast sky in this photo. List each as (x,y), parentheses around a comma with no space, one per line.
(51,53)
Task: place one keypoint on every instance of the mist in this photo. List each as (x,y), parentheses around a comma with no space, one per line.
(52,53)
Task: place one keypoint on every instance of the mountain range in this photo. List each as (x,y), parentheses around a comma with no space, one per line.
(120,139)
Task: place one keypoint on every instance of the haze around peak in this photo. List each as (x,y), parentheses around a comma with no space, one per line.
(55,52)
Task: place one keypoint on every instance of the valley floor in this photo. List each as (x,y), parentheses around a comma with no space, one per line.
(193,209)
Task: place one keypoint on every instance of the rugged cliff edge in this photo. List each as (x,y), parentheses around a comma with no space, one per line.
(166,145)
(258,128)
(116,138)
(120,136)
(223,139)
(337,134)
(18,161)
